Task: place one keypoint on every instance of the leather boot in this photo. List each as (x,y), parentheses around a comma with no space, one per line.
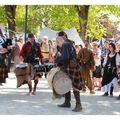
(111,91)
(66,104)
(78,107)
(105,94)
(35,86)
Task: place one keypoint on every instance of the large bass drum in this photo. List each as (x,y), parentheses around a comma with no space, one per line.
(59,81)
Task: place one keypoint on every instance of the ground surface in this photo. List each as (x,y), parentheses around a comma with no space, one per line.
(14,101)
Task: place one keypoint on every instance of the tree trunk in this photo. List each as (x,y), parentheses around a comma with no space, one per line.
(10,15)
(83,11)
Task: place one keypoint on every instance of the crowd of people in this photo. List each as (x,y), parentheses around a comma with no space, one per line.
(92,66)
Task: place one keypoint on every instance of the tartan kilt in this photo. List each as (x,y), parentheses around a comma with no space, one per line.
(3,69)
(2,74)
(75,76)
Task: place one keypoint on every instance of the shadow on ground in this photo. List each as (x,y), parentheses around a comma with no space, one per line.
(15,102)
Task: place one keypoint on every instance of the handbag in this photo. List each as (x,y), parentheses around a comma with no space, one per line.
(73,63)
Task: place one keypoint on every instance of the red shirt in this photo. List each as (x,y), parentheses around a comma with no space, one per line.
(26,49)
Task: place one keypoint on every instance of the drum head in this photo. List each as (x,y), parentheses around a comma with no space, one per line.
(62,83)
(51,74)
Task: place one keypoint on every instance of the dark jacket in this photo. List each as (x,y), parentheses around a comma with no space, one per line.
(68,53)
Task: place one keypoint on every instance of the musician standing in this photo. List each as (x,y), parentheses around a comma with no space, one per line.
(3,51)
(65,54)
(30,52)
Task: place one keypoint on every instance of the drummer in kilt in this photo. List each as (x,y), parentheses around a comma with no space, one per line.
(65,57)
(3,57)
(30,51)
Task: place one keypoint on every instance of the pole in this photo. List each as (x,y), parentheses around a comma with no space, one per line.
(26,20)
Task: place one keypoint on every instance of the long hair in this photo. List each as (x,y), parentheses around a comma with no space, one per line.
(113,46)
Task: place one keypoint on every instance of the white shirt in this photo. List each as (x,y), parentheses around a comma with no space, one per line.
(98,60)
(117,59)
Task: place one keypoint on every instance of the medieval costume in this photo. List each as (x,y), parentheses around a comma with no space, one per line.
(30,52)
(87,63)
(110,80)
(3,64)
(67,54)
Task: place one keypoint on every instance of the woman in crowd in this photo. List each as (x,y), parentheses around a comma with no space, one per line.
(51,51)
(97,72)
(16,50)
(78,48)
(109,80)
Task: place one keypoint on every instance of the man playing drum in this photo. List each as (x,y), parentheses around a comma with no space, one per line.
(65,54)
(29,53)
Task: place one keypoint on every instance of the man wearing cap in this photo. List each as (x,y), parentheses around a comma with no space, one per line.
(30,51)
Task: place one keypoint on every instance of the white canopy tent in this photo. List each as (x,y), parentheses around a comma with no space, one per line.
(51,34)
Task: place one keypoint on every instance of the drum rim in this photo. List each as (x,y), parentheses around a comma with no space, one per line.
(53,81)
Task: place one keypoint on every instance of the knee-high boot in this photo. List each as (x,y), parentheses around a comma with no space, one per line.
(35,86)
(67,100)
(78,106)
(111,90)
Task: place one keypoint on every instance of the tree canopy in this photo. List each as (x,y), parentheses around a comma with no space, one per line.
(61,17)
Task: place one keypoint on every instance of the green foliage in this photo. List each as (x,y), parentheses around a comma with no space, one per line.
(61,17)
(20,18)
(94,28)
(2,15)
(54,17)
